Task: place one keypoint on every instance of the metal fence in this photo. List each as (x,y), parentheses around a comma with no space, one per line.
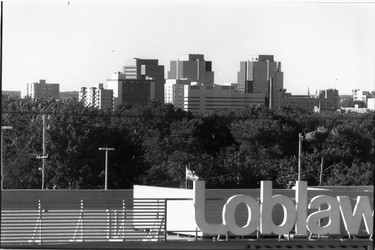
(143,221)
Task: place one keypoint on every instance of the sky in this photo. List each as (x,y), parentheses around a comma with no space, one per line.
(80,43)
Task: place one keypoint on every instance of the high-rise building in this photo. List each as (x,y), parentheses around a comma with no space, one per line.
(138,84)
(262,75)
(97,97)
(82,95)
(260,82)
(195,69)
(42,89)
(191,70)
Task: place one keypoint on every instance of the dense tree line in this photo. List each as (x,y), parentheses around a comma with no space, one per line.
(154,144)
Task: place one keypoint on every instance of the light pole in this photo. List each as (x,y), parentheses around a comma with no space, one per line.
(300,138)
(2,162)
(42,170)
(106,166)
(43,156)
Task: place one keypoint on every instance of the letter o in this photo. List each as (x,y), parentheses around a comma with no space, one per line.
(253,214)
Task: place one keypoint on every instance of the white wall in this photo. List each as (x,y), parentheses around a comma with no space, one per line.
(371,103)
(180,213)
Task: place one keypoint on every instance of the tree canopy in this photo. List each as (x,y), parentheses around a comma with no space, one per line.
(154,144)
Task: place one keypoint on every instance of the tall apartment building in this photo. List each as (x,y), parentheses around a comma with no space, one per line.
(42,89)
(97,97)
(262,75)
(138,84)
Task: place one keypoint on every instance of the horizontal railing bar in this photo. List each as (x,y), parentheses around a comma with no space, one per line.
(19,215)
(143,220)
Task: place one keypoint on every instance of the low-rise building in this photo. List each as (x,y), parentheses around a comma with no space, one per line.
(356,109)
(326,100)
(208,98)
(371,104)
(11,95)
(360,95)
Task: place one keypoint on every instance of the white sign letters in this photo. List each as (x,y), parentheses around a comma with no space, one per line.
(295,213)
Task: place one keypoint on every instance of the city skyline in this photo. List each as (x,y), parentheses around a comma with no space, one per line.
(81,43)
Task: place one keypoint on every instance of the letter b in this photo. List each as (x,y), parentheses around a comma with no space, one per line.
(267,226)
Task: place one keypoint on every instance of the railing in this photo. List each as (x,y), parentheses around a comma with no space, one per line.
(143,221)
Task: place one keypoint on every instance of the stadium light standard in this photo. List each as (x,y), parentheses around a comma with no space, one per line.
(106,166)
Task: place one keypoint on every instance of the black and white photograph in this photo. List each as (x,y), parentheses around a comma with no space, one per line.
(187,124)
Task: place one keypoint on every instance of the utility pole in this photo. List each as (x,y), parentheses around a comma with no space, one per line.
(321,172)
(106,166)
(2,154)
(1,86)
(44,155)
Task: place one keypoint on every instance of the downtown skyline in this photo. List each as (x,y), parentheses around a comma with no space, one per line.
(81,43)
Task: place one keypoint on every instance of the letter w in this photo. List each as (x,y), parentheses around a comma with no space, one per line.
(352,220)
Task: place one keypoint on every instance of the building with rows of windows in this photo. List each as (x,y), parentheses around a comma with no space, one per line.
(138,84)
(98,97)
(42,89)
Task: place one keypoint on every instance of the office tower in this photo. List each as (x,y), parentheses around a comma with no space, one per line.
(138,84)
(195,69)
(191,70)
(262,75)
(42,89)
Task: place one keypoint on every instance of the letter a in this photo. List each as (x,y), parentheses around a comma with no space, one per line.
(332,213)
